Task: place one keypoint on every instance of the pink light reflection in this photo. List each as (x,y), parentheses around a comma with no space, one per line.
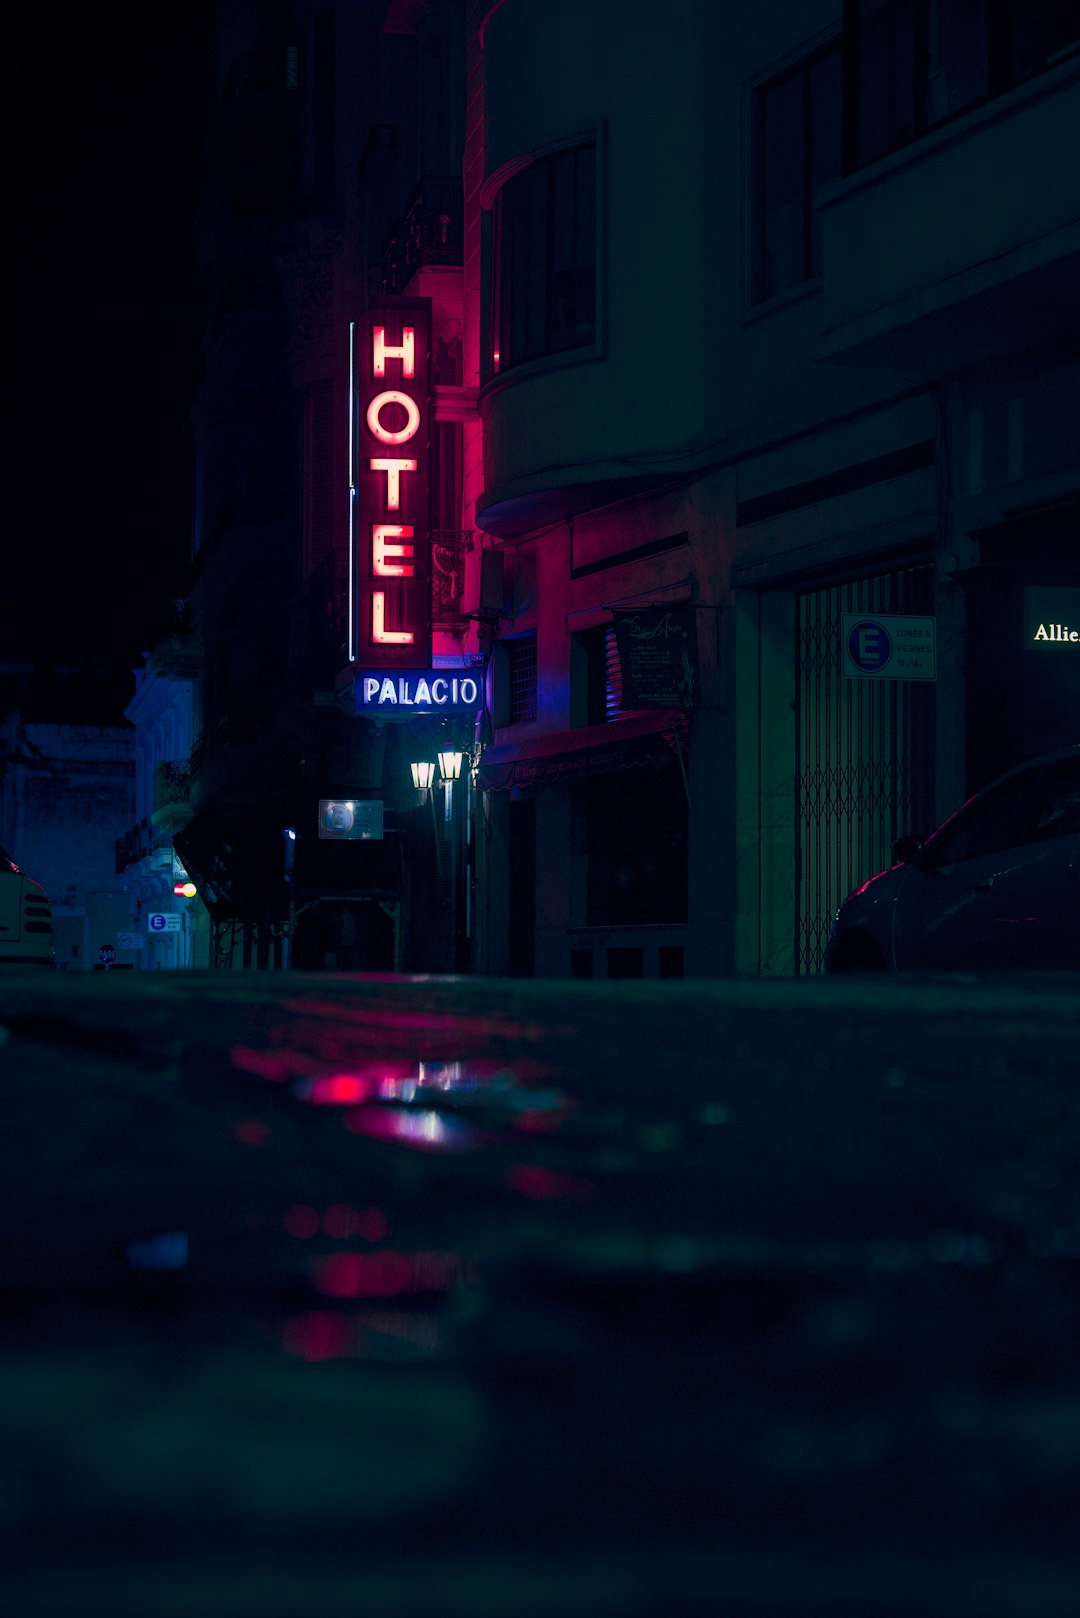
(387,1273)
(339,1089)
(412,1023)
(252,1132)
(342,1221)
(425,1130)
(302,1221)
(544,1184)
(274,1064)
(319,1335)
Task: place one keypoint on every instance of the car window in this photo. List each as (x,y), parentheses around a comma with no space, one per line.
(1005,817)
(1059,800)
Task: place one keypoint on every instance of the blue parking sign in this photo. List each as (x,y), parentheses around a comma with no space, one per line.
(869,646)
(889,646)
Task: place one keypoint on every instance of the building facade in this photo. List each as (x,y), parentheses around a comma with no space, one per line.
(672,414)
(775,327)
(332,210)
(67,777)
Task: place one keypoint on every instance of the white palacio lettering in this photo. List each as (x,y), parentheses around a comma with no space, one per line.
(419,690)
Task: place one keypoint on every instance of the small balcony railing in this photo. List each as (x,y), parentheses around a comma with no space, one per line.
(429,232)
(140,842)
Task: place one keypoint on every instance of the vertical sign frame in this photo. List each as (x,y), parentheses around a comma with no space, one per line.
(390,421)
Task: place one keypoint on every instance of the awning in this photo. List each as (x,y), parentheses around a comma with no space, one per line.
(569,755)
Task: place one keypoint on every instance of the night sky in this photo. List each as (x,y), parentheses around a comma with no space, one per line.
(103,315)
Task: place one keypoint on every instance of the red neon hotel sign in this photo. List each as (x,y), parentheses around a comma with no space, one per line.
(389,486)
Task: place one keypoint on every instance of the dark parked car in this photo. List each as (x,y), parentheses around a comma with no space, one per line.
(998,885)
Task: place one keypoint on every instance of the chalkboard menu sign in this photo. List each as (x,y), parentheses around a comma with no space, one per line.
(657,656)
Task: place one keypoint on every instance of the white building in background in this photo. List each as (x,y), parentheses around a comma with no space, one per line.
(170,930)
(66,783)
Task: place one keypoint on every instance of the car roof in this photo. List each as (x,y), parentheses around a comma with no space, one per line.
(1053,757)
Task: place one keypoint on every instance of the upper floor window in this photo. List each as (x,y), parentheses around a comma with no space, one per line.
(542,294)
(916,63)
(521,668)
(795,150)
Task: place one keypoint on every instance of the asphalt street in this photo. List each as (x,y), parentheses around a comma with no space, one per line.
(393,1296)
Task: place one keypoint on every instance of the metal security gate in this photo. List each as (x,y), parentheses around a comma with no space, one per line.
(864,753)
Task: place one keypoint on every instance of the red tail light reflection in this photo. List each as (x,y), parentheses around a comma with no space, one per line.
(319,1334)
(303,1222)
(387,1273)
(544,1184)
(337,1089)
(252,1132)
(340,1220)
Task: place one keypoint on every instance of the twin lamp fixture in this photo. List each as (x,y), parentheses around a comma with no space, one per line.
(423,774)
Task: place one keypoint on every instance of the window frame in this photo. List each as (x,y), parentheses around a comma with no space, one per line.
(496,183)
(522,697)
(931,58)
(801,63)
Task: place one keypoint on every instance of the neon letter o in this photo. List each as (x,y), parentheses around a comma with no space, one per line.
(383,434)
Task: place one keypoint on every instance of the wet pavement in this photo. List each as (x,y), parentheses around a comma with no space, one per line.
(431,1296)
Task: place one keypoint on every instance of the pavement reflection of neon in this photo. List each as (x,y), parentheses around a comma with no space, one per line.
(337,1089)
(544,1184)
(387,1273)
(427,1130)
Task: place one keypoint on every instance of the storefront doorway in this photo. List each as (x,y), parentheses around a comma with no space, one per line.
(864,751)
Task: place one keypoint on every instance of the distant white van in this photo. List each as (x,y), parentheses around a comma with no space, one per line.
(26,924)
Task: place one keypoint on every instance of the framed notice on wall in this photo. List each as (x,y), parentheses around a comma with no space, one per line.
(657,657)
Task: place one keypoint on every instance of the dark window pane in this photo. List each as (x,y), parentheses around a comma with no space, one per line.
(585,246)
(543,294)
(502,263)
(537,264)
(1004,818)
(892,77)
(1058,813)
(920,62)
(1041,31)
(959,66)
(561,334)
(798,150)
(522,669)
(517,347)
(784,168)
(825,125)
